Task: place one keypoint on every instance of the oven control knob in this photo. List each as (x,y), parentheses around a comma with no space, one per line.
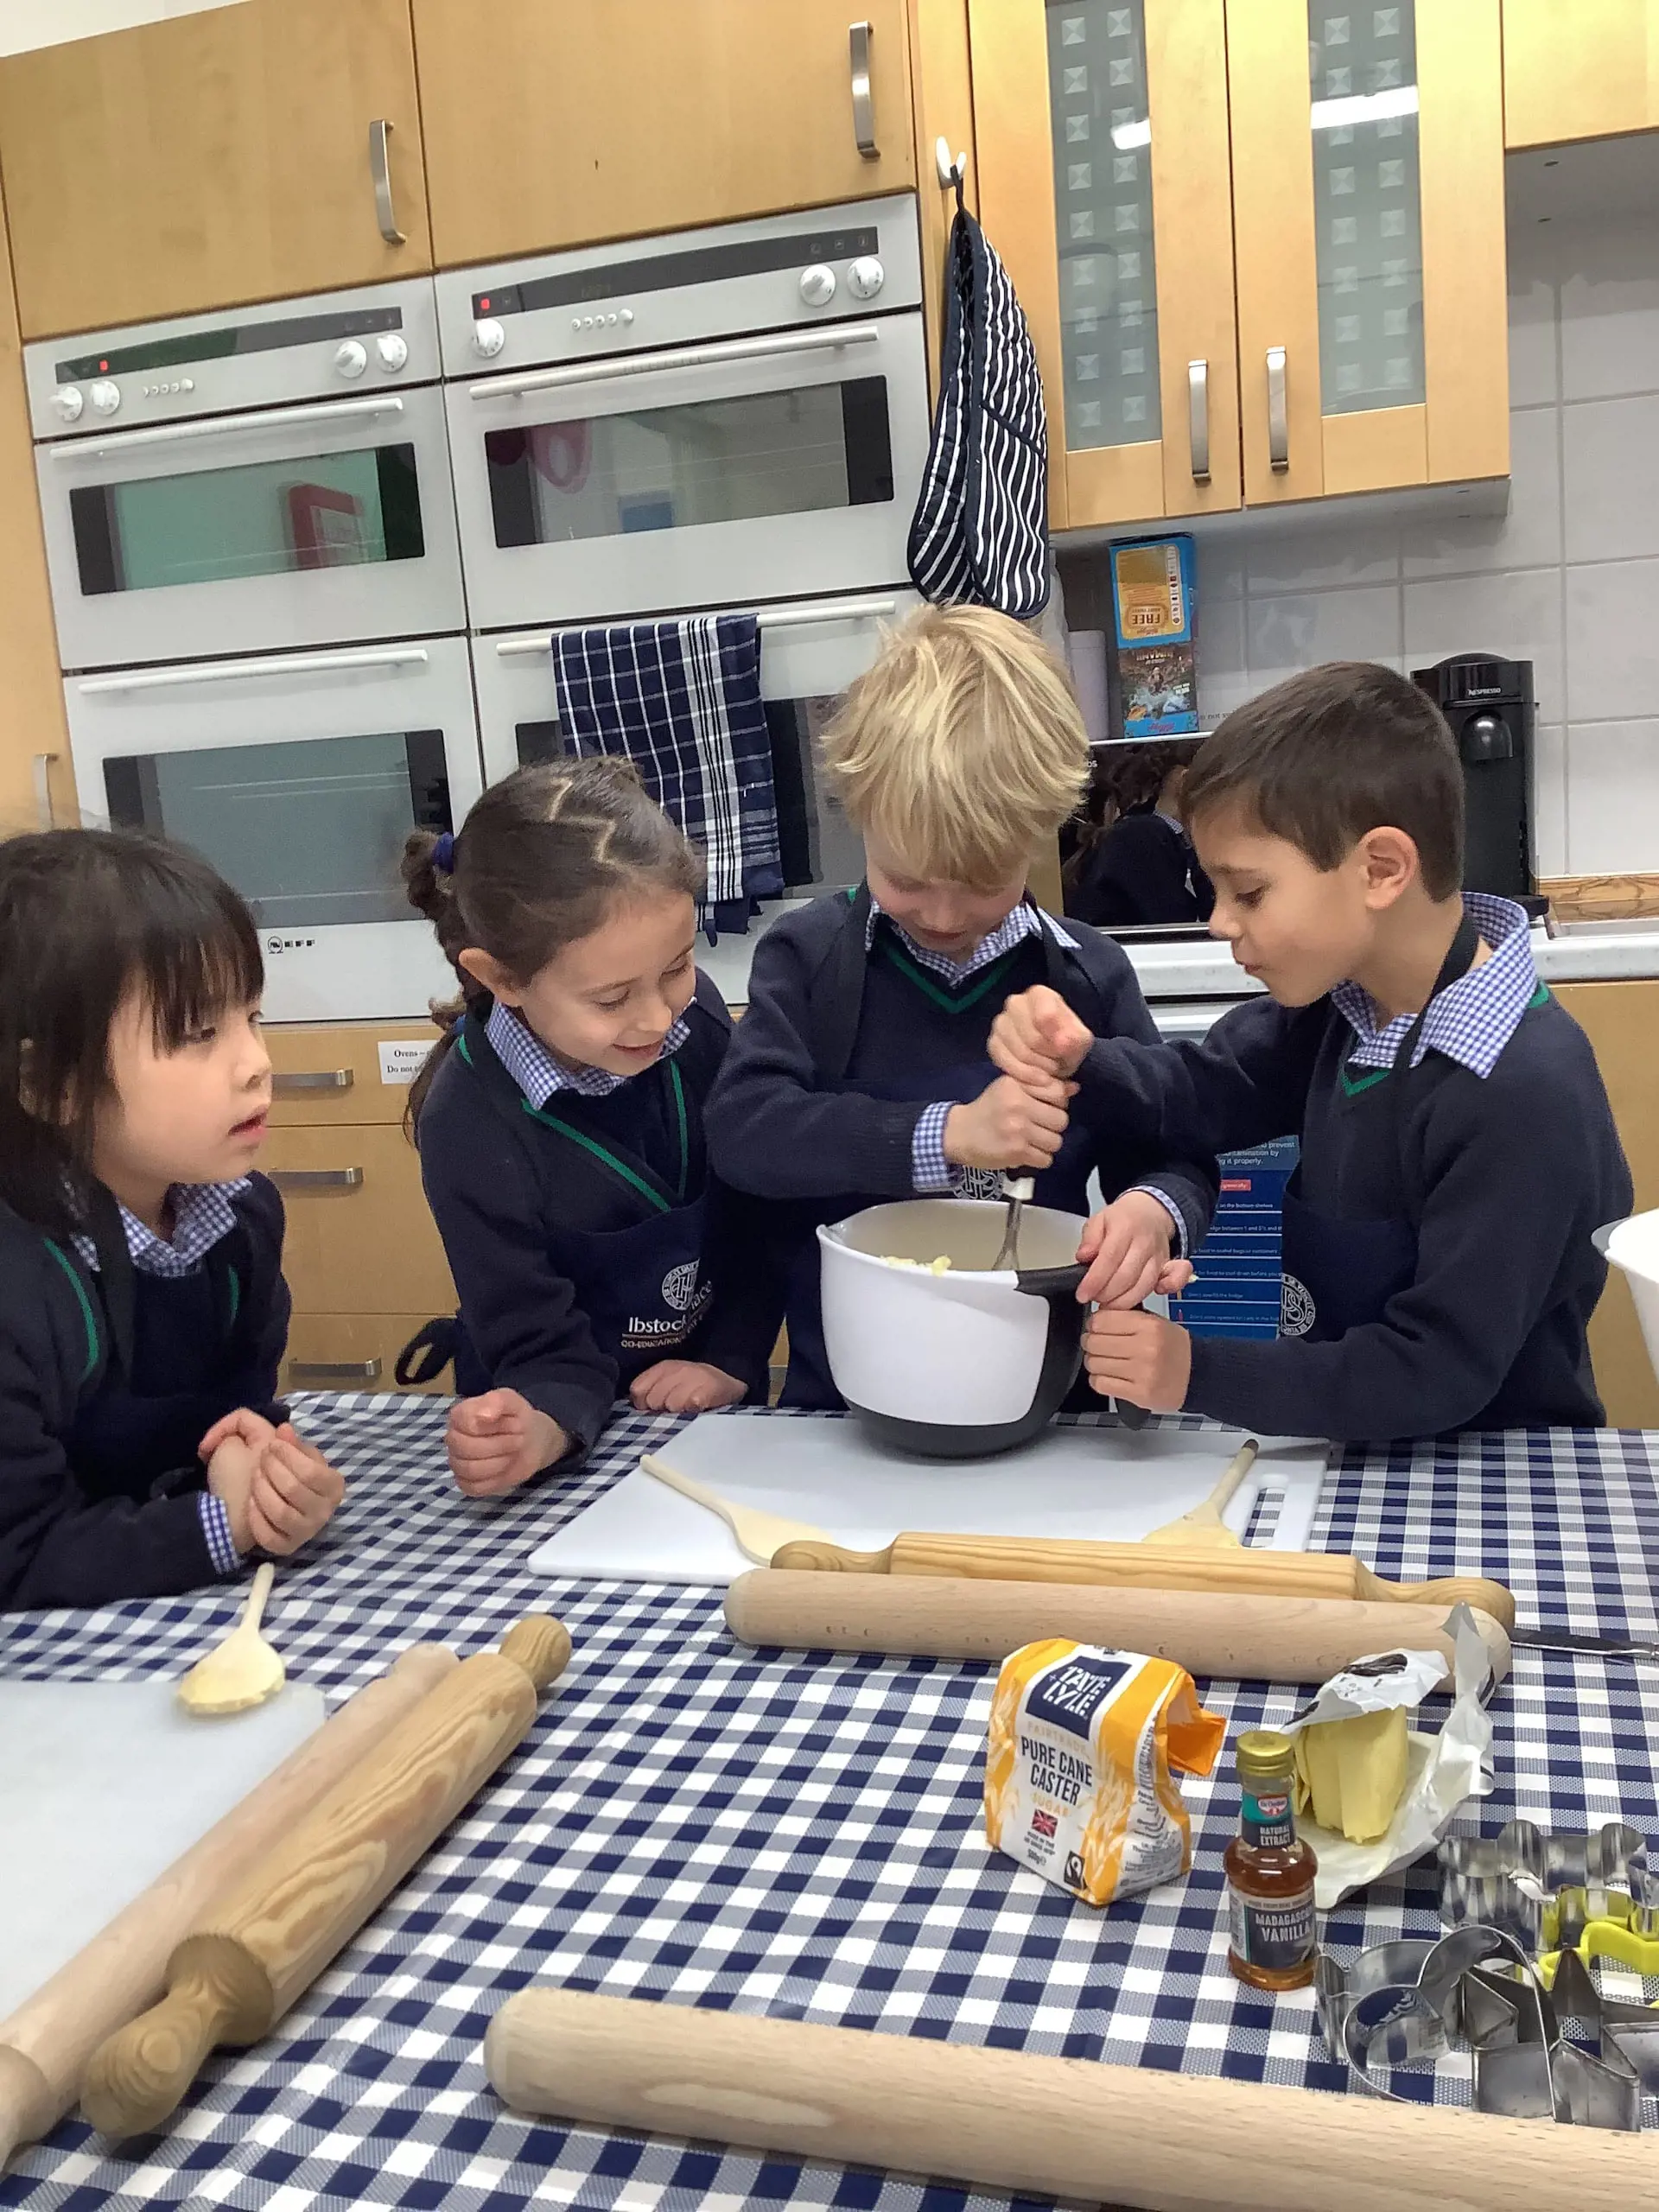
(819,284)
(865,277)
(67,403)
(489,337)
(391,352)
(106,397)
(350,360)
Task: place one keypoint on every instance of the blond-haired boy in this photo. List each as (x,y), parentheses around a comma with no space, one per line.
(861,1071)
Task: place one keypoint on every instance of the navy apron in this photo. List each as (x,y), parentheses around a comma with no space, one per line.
(122,1441)
(1339,1274)
(639,1287)
(835,1005)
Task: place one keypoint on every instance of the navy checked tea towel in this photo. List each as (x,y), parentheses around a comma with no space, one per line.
(980,536)
(681,700)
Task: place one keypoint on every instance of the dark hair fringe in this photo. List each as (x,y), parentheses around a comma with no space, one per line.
(88,916)
(1332,753)
(538,864)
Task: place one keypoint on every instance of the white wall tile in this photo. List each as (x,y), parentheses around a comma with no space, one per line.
(1221,571)
(1326,554)
(1612,797)
(1223,670)
(1297,630)
(1610,309)
(1549,803)
(1610,469)
(1534,378)
(1517,614)
(1612,624)
(1528,536)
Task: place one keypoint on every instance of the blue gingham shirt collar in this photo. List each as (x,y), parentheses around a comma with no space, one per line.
(204,1214)
(1025,921)
(538,1075)
(1472,1019)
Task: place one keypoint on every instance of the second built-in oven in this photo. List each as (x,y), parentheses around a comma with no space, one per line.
(267,477)
(299,776)
(714,418)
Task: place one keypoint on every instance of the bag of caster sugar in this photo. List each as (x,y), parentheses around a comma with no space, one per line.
(1077,1781)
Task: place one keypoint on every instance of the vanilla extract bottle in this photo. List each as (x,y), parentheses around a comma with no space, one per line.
(1269,1871)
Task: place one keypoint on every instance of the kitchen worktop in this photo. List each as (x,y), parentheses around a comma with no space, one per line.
(1189,971)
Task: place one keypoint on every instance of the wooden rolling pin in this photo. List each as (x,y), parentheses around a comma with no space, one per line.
(46,2042)
(1233,1633)
(264,1943)
(1067,2127)
(1153,1567)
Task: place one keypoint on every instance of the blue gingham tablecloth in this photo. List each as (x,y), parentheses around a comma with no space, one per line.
(696,1823)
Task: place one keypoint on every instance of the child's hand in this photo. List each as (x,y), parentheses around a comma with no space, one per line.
(294,1493)
(1037,1038)
(498,1441)
(231,1466)
(686,1386)
(1009,1125)
(250,1428)
(1138,1356)
(1126,1247)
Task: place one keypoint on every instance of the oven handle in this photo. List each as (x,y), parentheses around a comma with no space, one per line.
(221,426)
(785,617)
(216,671)
(680,357)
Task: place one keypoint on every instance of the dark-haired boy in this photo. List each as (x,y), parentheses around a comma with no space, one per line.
(1456,1146)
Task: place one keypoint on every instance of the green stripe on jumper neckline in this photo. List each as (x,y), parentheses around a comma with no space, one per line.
(952,1001)
(601,1152)
(87,1312)
(1354,1084)
(1539,997)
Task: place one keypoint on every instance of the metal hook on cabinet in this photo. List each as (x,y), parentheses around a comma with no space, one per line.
(952,174)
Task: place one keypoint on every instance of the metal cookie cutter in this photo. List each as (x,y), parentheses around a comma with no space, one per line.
(1401,2004)
(1543,1888)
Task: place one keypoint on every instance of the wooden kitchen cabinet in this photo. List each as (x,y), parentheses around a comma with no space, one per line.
(552,126)
(1579,69)
(209,159)
(362,1255)
(1101,135)
(1372,325)
(1621,1020)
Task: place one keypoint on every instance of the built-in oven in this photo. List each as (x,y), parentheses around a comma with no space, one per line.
(709,419)
(811,651)
(267,477)
(299,776)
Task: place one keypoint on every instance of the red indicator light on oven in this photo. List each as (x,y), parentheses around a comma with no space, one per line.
(104,368)
(483,307)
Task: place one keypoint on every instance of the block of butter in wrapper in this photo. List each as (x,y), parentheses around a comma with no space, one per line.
(1077,1780)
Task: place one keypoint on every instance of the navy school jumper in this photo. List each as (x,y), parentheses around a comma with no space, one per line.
(589,1240)
(841,1052)
(108,1380)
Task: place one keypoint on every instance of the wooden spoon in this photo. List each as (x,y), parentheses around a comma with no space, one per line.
(758,1534)
(242,1671)
(1202,1523)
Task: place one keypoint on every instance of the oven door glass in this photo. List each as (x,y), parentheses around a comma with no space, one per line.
(310,833)
(290,527)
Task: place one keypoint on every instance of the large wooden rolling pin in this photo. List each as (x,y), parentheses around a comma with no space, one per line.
(1232,1633)
(46,2042)
(264,1943)
(1149,1567)
(1066,2127)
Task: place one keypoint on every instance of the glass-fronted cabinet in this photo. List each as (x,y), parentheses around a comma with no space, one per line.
(1100,129)
(1368,206)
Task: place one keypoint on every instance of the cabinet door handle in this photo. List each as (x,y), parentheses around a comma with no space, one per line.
(334,1370)
(858,45)
(317,1178)
(1278,415)
(44,817)
(1197,418)
(380,170)
(289,1082)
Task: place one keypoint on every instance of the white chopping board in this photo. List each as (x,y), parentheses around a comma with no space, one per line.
(1109,1484)
(103,1785)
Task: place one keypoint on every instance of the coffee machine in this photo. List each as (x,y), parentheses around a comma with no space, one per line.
(1489,705)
